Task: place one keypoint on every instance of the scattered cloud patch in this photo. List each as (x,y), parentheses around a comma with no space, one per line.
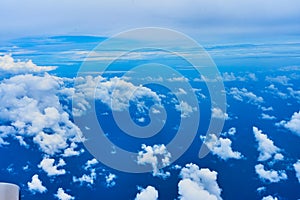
(185,109)
(30,107)
(266,147)
(297,169)
(218,113)
(36,185)
(157,156)
(221,147)
(270,175)
(244,95)
(267,117)
(47,164)
(62,195)
(10,66)
(89,179)
(149,193)
(90,163)
(110,180)
(115,93)
(198,184)
(269,198)
(293,124)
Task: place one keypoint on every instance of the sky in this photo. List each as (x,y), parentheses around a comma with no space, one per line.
(230,20)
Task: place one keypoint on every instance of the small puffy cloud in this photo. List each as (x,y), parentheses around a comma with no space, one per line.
(274,90)
(244,95)
(231,131)
(293,124)
(157,156)
(115,93)
(221,147)
(110,180)
(10,66)
(185,109)
(297,169)
(284,80)
(266,147)
(218,113)
(70,151)
(269,198)
(90,163)
(178,79)
(198,184)
(36,185)
(47,164)
(268,117)
(149,193)
(270,175)
(89,179)
(294,93)
(267,108)
(62,195)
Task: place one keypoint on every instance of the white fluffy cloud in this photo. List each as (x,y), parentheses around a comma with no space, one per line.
(266,147)
(10,66)
(36,185)
(267,116)
(149,193)
(185,109)
(244,95)
(90,163)
(270,175)
(157,156)
(62,195)
(115,93)
(293,124)
(30,107)
(221,147)
(89,179)
(47,164)
(269,198)
(198,184)
(297,169)
(110,180)
(218,113)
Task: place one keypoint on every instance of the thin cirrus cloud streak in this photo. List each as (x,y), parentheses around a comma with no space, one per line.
(33,17)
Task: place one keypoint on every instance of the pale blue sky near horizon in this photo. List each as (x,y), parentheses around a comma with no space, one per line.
(215,20)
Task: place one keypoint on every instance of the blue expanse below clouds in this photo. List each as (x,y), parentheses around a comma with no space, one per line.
(256,157)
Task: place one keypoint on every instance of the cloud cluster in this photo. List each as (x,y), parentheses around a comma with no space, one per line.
(219,114)
(115,93)
(89,179)
(198,184)
(266,147)
(269,198)
(36,185)
(244,95)
(297,169)
(110,180)
(47,164)
(62,195)
(149,193)
(270,175)
(221,147)
(157,156)
(185,109)
(30,108)
(9,66)
(293,124)
(232,77)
